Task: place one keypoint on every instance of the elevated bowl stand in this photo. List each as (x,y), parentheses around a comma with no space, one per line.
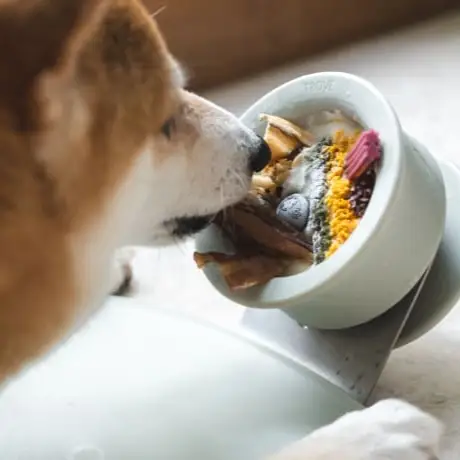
(353,359)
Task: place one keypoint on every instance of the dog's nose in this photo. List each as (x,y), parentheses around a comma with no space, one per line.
(260,157)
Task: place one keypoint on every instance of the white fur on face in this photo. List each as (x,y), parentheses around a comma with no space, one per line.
(203,166)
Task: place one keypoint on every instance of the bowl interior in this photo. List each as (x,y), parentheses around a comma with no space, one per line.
(296,100)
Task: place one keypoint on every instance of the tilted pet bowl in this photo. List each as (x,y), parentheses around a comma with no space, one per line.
(396,240)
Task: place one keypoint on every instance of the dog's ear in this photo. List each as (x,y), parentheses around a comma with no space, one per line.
(42,38)
(46,34)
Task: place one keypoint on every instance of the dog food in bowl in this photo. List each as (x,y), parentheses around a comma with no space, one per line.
(304,205)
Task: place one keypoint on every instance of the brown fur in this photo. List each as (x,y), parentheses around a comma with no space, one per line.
(60,158)
(85,89)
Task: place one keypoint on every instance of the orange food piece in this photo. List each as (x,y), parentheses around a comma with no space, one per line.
(244,271)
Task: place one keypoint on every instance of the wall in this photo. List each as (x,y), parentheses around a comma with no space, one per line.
(222,40)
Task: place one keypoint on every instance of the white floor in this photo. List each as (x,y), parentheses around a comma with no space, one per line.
(419,71)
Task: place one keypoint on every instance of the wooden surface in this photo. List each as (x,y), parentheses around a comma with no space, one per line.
(222,40)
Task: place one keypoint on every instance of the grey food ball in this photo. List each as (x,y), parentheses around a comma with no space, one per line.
(294,210)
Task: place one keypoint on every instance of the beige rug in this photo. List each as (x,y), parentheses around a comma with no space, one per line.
(419,71)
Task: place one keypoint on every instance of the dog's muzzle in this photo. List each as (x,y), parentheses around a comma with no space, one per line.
(188,226)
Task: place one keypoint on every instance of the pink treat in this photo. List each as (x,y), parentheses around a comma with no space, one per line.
(362,154)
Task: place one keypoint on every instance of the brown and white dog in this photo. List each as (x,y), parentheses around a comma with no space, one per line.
(100,148)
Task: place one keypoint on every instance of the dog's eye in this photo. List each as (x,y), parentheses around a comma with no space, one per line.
(168,128)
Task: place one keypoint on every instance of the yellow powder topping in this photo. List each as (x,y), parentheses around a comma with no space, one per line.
(342,220)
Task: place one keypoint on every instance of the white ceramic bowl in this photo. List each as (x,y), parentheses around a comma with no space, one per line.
(398,236)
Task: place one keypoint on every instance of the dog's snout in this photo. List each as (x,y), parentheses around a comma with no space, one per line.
(260,156)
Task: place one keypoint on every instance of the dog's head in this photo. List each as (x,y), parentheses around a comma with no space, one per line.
(89,91)
(207,159)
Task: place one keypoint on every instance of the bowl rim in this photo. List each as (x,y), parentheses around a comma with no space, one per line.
(283,291)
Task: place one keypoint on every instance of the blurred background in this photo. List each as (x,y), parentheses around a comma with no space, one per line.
(224,40)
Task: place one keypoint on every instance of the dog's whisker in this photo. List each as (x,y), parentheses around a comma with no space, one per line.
(158,255)
(238,178)
(180,245)
(223,201)
(158,11)
(213,218)
(222,196)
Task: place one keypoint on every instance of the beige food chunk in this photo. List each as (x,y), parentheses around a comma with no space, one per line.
(244,271)
(284,137)
(281,144)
